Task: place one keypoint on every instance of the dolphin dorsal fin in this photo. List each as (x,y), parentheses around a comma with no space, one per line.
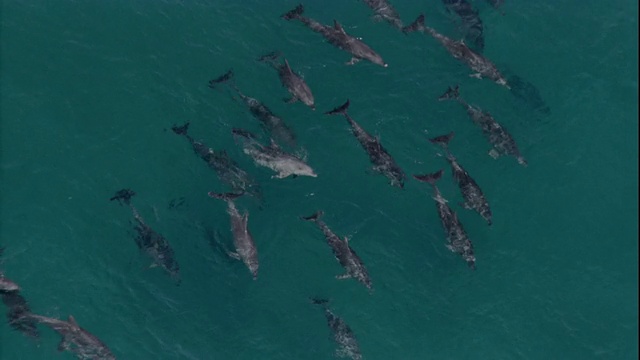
(286,64)
(337,26)
(245,218)
(72,321)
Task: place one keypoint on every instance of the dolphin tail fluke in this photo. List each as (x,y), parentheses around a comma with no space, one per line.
(314,217)
(416,25)
(292,14)
(222,78)
(442,140)
(180,130)
(430,178)
(451,93)
(342,109)
(225,196)
(123,195)
(319,301)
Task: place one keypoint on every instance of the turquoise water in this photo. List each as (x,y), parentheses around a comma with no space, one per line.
(90,90)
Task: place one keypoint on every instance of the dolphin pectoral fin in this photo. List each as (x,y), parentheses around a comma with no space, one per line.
(476,75)
(354,60)
(450,248)
(290,100)
(343,276)
(154,265)
(280,175)
(377,18)
(494,153)
(465,205)
(233,255)
(64,345)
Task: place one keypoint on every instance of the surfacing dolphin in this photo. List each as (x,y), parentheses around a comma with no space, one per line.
(378,155)
(338,37)
(345,255)
(459,50)
(272,156)
(502,142)
(245,246)
(294,83)
(148,240)
(342,333)
(227,169)
(473,197)
(458,241)
(270,122)
(471,22)
(76,339)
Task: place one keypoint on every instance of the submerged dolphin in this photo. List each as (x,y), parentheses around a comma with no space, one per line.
(342,333)
(294,83)
(148,240)
(338,37)
(473,197)
(471,22)
(378,155)
(19,313)
(459,50)
(384,11)
(271,123)
(227,169)
(76,339)
(273,157)
(345,255)
(502,142)
(458,241)
(245,246)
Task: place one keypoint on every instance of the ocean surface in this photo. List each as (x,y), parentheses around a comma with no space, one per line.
(91,89)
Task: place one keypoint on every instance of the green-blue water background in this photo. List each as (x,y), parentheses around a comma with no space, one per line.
(89,89)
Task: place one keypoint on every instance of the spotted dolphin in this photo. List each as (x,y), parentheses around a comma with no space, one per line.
(458,241)
(474,199)
(76,339)
(342,333)
(148,240)
(343,252)
(378,155)
(273,157)
(338,37)
(246,250)
(482,66)
(294,83)
(227,169)
(502,142)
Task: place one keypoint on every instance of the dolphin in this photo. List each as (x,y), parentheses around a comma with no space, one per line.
(76,339)
(503,143)
(342,333)
(245,246)
(384,11)
(227,169)
(18,315)
(345,255)
(378,155)
(473,197)
(471,22)
(270,122)
(458,241)
(273,157)
(154,244)
(338,37)
(495,3)
(459,50)
(294,83)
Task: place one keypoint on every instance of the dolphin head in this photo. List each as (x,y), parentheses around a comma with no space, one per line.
(502,81)
(253,268)
(303,169)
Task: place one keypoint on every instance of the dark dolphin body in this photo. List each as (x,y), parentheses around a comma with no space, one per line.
(338,37)
(76,339)
(471,22)
(495,3)
(458,240)
(459,50)
(473,197)
(294,83)
(342,333)
(382,161)
(503,143)
(245,246)
(18,314)
(154,244)
(273,157)
(384,11)
(227,169)
(272,123)
(345,255)
(527,93)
